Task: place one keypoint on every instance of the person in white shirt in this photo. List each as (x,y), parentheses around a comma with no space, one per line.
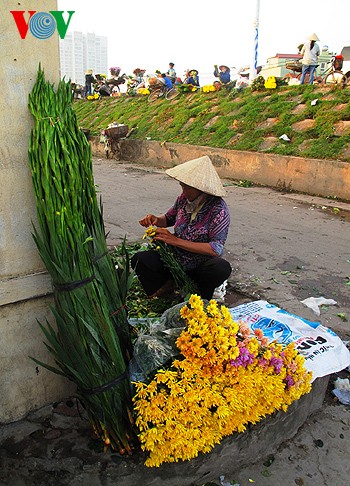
(310,52)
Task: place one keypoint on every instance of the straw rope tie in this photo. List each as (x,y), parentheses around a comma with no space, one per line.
(100,256)
(73,285)
(124,306)
(106,386)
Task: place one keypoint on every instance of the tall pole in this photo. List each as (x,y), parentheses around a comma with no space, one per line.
(254,62)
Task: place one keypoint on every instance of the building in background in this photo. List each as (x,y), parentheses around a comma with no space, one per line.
(79,52)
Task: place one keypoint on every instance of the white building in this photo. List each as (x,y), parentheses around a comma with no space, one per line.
(79,52)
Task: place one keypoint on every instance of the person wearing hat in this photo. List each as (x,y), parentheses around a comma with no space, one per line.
(310,52)
(192,77)
(89,80)
(201,219)
(223,73)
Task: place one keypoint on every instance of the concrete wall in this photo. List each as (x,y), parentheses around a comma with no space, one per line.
(24,285)
(316,177)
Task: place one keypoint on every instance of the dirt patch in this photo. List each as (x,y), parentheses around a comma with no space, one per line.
(269,122)
(299,109)
(339,107)
(235,138)
(342,128)
(346,151)
(268,143)
(188,123)
(212,121)
(303,125)
(305,145)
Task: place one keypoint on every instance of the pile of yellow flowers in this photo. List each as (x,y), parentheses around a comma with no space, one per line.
(92,97)
(143,91)
(270,82)
(208,88)
(227,378)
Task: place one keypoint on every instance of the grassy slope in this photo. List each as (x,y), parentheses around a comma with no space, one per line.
(237,121)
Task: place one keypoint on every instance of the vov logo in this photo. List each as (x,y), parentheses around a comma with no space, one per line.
(42,25)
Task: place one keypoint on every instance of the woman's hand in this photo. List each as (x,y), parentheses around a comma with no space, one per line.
(148,220)
(164,235)
(152,220)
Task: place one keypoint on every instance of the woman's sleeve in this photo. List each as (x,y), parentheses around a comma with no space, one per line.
(219,226)
(171,214)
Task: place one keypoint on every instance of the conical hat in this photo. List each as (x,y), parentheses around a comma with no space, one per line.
(313,37)
(200,174)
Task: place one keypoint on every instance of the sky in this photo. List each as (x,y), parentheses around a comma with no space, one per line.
(198,34)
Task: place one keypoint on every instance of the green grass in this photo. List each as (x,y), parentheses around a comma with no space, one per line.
(187,119)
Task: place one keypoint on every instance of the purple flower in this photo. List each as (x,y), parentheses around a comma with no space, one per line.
(277,363)
(245,358)
(289,381)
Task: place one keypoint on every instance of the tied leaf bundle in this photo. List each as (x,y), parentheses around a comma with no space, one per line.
(92,345)
(181,279)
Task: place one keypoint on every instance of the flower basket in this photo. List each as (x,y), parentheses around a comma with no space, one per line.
(118,131)
(155,83)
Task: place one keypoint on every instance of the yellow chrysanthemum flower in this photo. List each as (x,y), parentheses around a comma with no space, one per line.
(210,394)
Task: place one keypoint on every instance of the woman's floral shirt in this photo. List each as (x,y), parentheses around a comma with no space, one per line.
(210,225)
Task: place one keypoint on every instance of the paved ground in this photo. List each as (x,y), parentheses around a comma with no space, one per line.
(283,248)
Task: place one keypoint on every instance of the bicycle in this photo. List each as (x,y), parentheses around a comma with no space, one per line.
(163,92)
(333,76)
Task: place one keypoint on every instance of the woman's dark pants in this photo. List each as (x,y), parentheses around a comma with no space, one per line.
(153,274)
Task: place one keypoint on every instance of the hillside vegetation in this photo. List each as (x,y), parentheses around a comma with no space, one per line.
(315,119)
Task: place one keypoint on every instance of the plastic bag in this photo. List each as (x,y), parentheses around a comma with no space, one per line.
(151,352)
(220,292)
(342,390)
(315,302)
(156,343)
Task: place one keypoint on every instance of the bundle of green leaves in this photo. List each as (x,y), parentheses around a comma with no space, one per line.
(91,343)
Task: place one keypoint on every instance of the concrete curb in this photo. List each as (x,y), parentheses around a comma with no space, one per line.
(317,177)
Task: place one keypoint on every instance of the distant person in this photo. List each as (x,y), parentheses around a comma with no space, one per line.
(139,75)
(223,73)
(115,79)
(310,52)
(167,81)
(160,79)
(89,81)
(192,77)
(186,75)
(115,72)
(171,72)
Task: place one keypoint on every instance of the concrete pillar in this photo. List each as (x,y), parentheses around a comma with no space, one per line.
(25,287)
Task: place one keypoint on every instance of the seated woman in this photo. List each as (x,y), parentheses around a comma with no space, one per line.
(223,73)
(201,220)
(192,77)
(167,81)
